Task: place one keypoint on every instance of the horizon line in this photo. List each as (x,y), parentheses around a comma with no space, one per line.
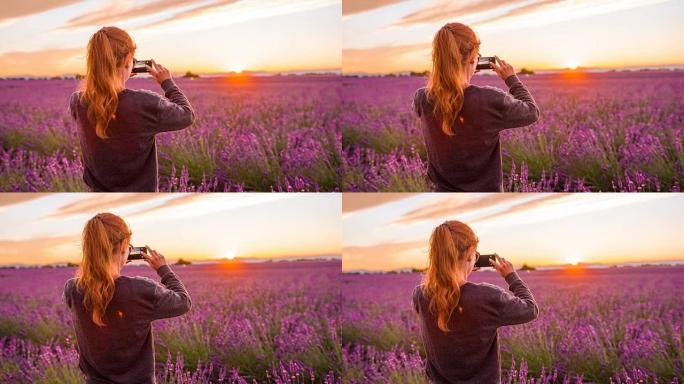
(581,265)
(244,259)
(579,69)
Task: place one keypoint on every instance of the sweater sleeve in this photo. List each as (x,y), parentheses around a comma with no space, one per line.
(174,112)
(417,103)
(171,299)
(520,307)
(519,107)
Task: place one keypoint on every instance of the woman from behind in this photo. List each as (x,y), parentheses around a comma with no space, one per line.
(461,122)
(459,320)
(116,125)
(111,313)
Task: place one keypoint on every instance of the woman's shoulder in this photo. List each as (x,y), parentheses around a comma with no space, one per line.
(485,289)
(140,95)
(486,91)
(138,281)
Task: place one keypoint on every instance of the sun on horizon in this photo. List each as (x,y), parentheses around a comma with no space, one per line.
(237,68)
(572,64)
(229,254)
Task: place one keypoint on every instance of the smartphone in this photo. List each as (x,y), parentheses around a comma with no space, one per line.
(136,253)
(485,63)
(484,261)
(139,66)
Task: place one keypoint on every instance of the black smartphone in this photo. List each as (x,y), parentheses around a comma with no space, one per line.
(484,261)
(485,62)
(136,253)
(139,66)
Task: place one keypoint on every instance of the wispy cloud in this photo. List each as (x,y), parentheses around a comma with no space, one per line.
(19,63)
(490,11)
(11,10)
(49,249)
(122,11)
(162,12)
(351,7)
(448,10)
(455,205)
(94,203)
(10,199)
(352,202)
(382,256)
(383,58)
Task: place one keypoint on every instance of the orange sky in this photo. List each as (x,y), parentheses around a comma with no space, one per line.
(391,231)
(396,35)
(49,37)
(46,228)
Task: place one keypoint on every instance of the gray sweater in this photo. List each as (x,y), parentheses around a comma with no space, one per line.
(127,160)
(470,161)
(469,352)
(123,350)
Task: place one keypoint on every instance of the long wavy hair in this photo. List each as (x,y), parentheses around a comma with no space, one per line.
(102,238)
(450,243)
(108,50)
(453,47)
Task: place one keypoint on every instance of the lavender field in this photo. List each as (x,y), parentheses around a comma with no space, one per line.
(269,323)
(615,325)
(597,132)
(251,133)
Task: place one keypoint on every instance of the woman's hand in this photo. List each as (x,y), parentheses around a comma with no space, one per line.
(503,266)
(159,72)
(154,259)
(503,69)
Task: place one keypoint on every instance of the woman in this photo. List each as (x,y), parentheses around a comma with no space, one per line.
(112,314)
(116,125)
(459,319)
(461,122)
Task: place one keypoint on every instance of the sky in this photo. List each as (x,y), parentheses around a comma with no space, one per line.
(46,228)
(396,35)
(389,231)
(49,37)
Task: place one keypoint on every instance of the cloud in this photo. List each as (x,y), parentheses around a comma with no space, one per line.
(20,63)
(116,12)
(94,203)
(455,205)
(15,9)
(351,7)
(9,199)
(390,58)
(525,9)
(352,202)
(382,256)
(539,200)
(40,250)
(191,13)
(446,10)
(175,201)
(497,10)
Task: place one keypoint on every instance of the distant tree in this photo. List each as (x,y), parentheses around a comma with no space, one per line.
(419,74)
(78,76)
(181,261)
(526,71)
(190,75)
(526,267)
(72,265)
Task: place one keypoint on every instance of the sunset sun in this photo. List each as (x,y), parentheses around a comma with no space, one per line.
(229,254)
(237,68)
(572,64)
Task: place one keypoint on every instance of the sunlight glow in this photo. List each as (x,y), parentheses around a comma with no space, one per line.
(572,64)
(573,260)
(229,254)
(237,68)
